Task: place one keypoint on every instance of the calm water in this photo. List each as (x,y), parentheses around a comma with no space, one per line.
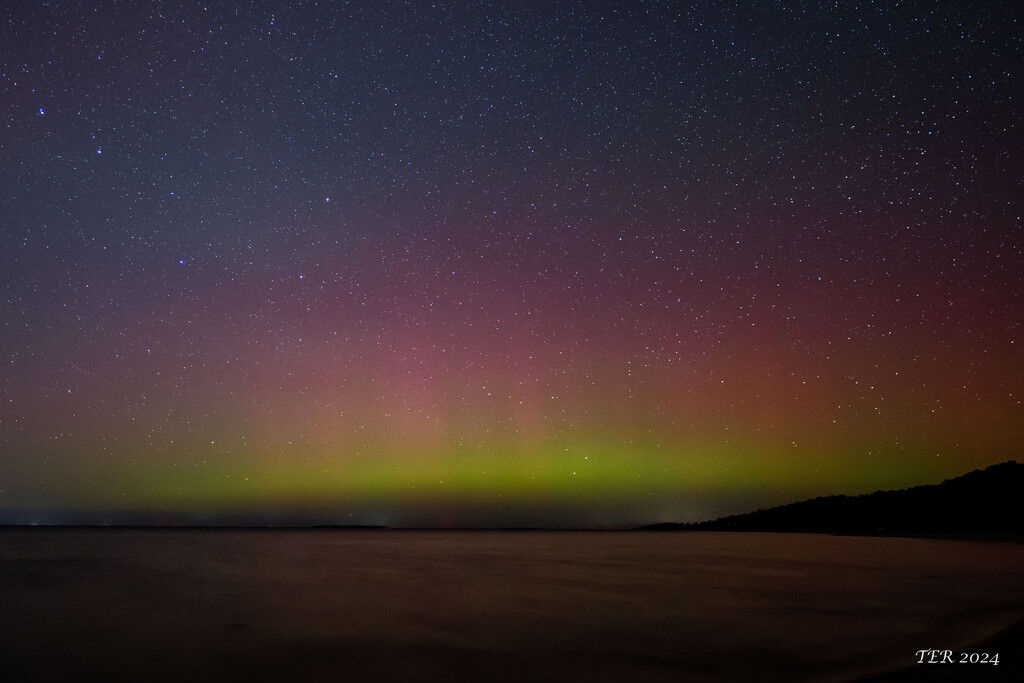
(415,605)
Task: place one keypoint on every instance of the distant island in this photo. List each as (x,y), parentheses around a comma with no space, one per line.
(980,503)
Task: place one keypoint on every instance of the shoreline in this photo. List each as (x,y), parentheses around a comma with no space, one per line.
(1002,537)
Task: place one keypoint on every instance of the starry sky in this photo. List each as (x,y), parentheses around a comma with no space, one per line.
(469,263)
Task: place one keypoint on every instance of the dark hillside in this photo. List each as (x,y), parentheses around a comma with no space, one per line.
(980,502)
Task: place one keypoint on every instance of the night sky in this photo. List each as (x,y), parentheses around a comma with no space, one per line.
(504,263)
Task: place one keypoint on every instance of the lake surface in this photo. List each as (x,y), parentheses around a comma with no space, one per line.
(345,605)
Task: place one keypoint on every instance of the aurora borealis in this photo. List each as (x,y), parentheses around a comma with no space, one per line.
(473,263)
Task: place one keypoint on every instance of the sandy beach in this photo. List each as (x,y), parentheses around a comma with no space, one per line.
(205,605)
